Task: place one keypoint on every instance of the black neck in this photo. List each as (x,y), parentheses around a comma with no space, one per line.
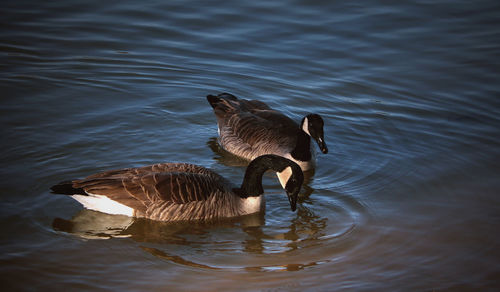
(252,183)
(302,150)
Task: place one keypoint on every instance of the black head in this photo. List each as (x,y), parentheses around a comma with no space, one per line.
(313,124)
(291,178)
(293,186)
(289,173)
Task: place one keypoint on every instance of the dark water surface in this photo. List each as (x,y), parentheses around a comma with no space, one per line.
(407,199)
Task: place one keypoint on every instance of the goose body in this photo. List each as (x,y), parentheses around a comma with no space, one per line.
(250,128)
(180,191)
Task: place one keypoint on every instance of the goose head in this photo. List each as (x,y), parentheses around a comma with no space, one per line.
(312,125)
(289,174)
(291,178)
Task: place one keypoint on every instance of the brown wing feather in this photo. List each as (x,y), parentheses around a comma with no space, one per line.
(253,128)
(154,168)
(182,188)
(138,188)
(248,117)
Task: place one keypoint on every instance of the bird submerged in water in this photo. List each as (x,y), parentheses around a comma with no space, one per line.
(181,191)
(250,128)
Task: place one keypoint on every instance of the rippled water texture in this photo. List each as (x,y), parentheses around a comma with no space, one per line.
(406,199)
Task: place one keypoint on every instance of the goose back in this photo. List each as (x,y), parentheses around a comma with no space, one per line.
(250,128)
(165,192)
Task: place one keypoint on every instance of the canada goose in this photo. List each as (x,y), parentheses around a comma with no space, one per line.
(180,191)
(250,128)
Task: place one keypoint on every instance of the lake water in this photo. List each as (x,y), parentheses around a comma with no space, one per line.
(407,199)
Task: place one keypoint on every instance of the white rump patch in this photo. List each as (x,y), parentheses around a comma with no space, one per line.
(103,204)
(305,126)
(252,205)
(284,176)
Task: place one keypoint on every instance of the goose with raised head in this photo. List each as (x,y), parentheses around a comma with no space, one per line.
(250,128)
(181,191)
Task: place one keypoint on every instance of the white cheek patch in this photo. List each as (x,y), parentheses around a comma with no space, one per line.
(103,204)
(305,126)
(284,176)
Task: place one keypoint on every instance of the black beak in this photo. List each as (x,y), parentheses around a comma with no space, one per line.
(322,145)
(292,198)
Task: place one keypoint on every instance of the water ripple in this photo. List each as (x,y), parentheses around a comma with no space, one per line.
(408,92)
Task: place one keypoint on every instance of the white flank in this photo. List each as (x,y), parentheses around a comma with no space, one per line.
(284,176)
(103,204)
(252,205)
(305,126)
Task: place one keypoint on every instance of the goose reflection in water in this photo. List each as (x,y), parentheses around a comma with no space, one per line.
(156,237)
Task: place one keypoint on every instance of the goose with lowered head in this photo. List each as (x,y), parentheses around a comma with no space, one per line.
(181,191)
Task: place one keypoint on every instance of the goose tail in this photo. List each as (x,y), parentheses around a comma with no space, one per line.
(66,188)
(223,101)
(213,100)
